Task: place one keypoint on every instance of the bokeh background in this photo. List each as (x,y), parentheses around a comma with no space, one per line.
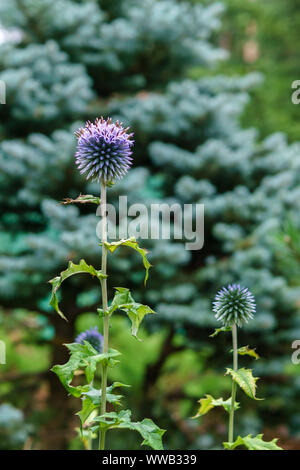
(206,87)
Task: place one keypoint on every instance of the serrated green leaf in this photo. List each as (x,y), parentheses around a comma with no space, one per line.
(91,400)
(245,350)
(219,330)
(253,443)
(136,312)
(108,420)
(82,199)
(122,297)
(209,402)
(65,373)
(87,408)
(91,358)
(72,269)
(132,243)
(95,395)
(83,356)
(151,433)
(244,378)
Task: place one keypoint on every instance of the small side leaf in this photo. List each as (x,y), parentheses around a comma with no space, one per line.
(209,402)
(253,443)
(82,199)
(65,373)
(151,433)
(87,408)
(91,400)
(124,301)
(72,269)
(83,356)
(132,243)
(219,330)
(246,351)
(244,378)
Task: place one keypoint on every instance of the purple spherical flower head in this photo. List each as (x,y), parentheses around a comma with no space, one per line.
(93,336)
(103,150)
(234,304)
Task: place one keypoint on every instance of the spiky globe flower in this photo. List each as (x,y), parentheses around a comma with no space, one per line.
(234,304)
(103,150)
(93,336)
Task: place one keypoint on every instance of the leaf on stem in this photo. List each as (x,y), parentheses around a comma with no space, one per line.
(253,443)
(244,378)
(219,330)
(209,402)
(124,301)
(151,433)
(91,400)
(83,356)
(132,243)
(245,350)
(82,199)
(72,269)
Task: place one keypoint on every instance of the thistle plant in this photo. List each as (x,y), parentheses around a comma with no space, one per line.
(103,150)
(103,154)
(233,307)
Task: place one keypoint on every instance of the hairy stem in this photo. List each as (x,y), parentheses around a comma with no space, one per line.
(233,394)
(104,307)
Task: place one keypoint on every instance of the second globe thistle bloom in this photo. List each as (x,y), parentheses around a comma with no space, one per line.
(93,337)
(234,305)
(104,150)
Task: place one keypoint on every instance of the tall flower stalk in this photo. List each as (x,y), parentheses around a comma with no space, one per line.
(104,307)
(103,154)
(233,306)
(233,392)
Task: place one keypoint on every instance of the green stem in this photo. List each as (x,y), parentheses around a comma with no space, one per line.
(233,394)
(104,307)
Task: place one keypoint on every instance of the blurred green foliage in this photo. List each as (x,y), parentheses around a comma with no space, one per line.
(264,37)
(13,430)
